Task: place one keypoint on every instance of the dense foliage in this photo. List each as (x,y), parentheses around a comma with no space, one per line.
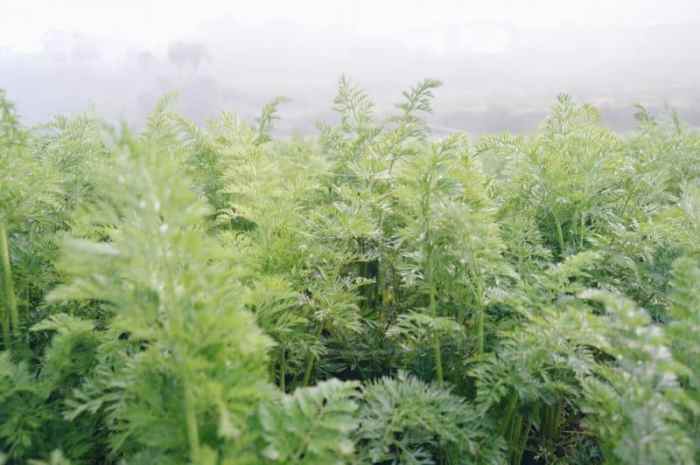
(213,295)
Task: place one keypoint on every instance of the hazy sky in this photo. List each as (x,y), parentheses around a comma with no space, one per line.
(154,23)
(502,61)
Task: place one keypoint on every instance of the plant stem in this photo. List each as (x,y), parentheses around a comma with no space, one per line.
(510,411)
(380,295)
(433,311)
(482,318)
(515,440)
(312,360)
(283,371)
(523,436)
(551,421)
(309,369)
(192,429)
(10,320)
(436,341)
(560,235)
(429,279)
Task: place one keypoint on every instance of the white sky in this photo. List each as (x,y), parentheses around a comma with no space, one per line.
(152,24)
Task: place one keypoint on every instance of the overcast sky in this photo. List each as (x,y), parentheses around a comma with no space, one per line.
(59,55)
(154,23)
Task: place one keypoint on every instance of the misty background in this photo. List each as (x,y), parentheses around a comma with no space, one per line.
(502,62)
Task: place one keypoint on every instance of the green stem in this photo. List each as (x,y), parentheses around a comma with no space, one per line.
(380,294)
(428,250)
(433,311)
(551,421)
(629,197)
(510,411)
(312,359)
(481,331)
(560,234)
(309,369)
(482,319)
(436,343)
(10,320)
(515,439)
(283,371)
(192,428)
(478,289)
(523,436)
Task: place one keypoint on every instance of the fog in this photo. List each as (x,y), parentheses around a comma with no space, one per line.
(502,63)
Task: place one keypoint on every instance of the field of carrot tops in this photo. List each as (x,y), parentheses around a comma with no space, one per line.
(211,295)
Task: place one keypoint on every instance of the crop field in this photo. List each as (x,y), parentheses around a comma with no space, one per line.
(373,293)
